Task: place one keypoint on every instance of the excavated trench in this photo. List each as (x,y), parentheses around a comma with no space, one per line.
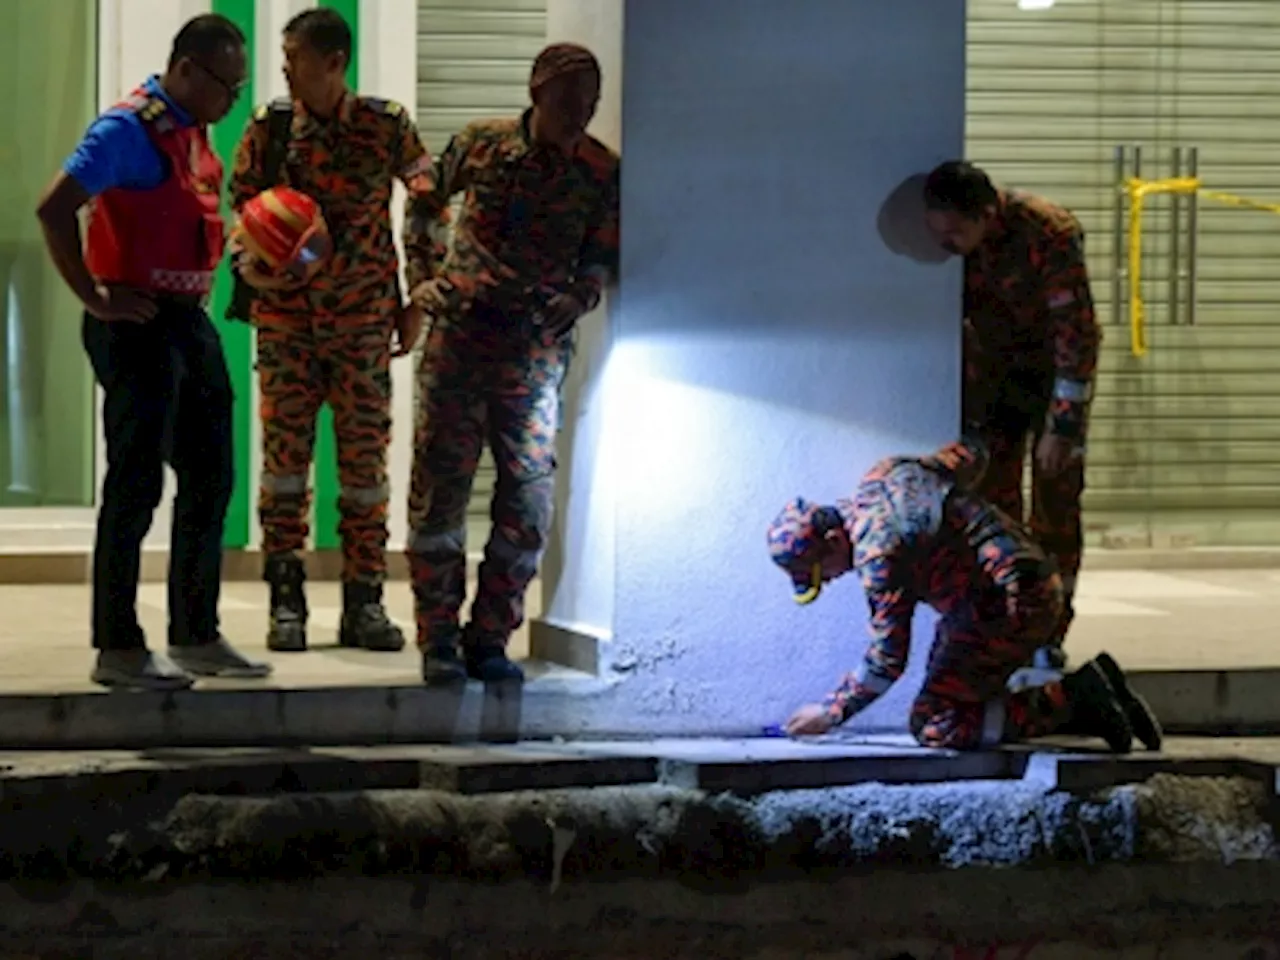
(1175,867)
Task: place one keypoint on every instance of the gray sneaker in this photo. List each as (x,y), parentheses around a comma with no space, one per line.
(219,659)
(139,670)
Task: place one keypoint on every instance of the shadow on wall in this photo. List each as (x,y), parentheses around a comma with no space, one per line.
(902,226)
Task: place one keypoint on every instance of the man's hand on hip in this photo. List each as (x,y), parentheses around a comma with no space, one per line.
(561,313)
(408,324)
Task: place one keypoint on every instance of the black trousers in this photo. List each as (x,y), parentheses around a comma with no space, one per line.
(168,400)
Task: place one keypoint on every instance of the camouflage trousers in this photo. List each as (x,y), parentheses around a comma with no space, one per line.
(480,387)
(1055,520)
(964,703)
(347,366)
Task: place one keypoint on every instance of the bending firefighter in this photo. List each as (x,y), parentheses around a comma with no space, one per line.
(1031,344)
(915,532)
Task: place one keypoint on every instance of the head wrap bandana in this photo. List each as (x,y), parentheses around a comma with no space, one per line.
(561,59)
(795,542)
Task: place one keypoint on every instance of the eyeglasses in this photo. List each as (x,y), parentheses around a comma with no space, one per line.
(234,90)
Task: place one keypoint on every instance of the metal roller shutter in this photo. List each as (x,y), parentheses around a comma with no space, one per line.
(1185,442)
(473,62)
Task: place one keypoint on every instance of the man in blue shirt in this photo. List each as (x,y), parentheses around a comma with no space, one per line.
(152,186)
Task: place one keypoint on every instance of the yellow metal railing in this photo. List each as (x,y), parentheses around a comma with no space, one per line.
(1138,191)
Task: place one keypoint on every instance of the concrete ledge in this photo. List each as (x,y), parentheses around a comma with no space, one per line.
(549,705)
(567,646)
(743,768)
(537,767)
(1076,773)
(554,703)
(749,767)
(1189,558)
(239,718)
(115,776)
(1213,702)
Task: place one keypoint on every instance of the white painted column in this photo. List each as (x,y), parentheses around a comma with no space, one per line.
(578,571)
(389,68)
(765,343)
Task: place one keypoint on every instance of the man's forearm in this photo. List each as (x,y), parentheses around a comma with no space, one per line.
(863,687)
(62,238)
(884,662)
(1075,368)
(427,223)
(1076,335)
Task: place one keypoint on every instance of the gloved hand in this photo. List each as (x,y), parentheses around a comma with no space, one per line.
(810,720)
(1047,666)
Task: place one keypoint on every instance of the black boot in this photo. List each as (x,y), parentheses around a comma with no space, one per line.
(365,623)
(442,666)
(1095,709)
(1145,724)
(287,632)
(491,665)
(487,659)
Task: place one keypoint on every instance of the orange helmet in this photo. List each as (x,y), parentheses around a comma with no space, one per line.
(285,230)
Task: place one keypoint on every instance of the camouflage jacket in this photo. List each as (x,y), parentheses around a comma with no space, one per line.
(348,164)
(534,221)
(1029,312)
(920,535)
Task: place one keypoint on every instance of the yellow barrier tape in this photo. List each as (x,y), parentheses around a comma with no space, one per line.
(1138,191)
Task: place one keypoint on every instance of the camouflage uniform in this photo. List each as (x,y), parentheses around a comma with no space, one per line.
(919,535)
(330,342)
(1031,352)
(535,222)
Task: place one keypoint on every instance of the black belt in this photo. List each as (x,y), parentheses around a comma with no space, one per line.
(183,301)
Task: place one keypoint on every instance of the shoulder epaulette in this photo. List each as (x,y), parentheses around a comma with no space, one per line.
(151,109)
(387,108)
(381,105)
(278,105)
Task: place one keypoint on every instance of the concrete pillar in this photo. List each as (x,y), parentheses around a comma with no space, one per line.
(578,572)
(765,341)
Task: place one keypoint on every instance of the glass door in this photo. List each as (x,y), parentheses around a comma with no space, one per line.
(1220,430)
(48,95)
(1069,99)
(1140,274)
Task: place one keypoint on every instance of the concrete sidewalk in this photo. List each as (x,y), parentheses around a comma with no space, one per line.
(1183,620)
(1199,644)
